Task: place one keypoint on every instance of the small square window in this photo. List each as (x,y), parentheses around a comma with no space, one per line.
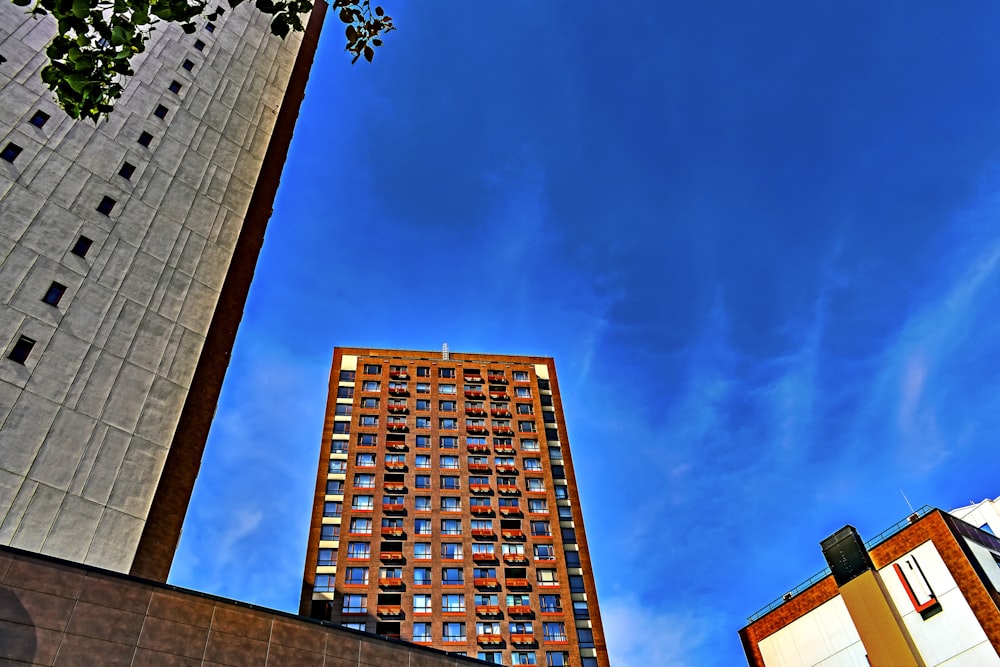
(82,246)
(54,294)
(106,205)
(39,119)
(160,111)
(210,27)
(188,65)
(22,348)
(174,87)
(145,139)
(127,170)
(10,152)
(199,45)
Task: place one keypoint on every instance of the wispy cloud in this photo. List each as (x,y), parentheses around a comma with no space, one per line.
(639,636)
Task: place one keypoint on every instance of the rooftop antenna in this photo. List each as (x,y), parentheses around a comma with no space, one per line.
(444,352)
(907,501)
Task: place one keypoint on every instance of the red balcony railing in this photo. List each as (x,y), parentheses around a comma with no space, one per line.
(483,556)
(475,428)
(392,507)
(485,582)
(500,412)
(508,489)
(504,449)
(499,379)
(473,378)
(487,610)
(475,393)
(479,449)
(481,509)
(499,396)
(490,639)
(506,469)
(397,408)
(396,445)
(396,426)
(515,558)
(479,467)
(512,534)
(394,487)
(522,640)
(519,610)
(399,391)
(477,412)
(390,582)
(391,532)
(483,532)
(389,611)
(399,375)
(395,465)
(511,511)
(391,556)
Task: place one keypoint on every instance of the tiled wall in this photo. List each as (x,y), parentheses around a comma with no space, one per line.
(87,420)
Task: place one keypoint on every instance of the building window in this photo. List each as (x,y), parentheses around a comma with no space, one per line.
(333,508)
(446,372)
(448,442)
(576,583)
(447,406)
(160,111)
(370,385)
(369,420)
(449,504)
(343,409)
(355,604)
(535,484)
(422,503)
(550,603)
(422,481)
(422,575)
(363,503)
(364,460)
(423,422)
(525,409)
(580,609)
(562,492)
(451,551)
(423,441)
(334,487)
(533,464)
(482,548)
(346,376)
(341,427)
(451,527)
(356,576)
(422,604)
(10,152)
(106,205)
(520,376)
(538,506)
(519,627)
(565,513)
(485,525)
(187,64)
(450,483)
(555,453)
(145,138)
(423,388)
(54,294)
(449,462)
(359,550)
(361,526)
(355,626)
(568,536)
(337,467)
(554,632)
(422,550)
(326,557)
(174,87)
(494,657)
(522,658)
(557,659)
(345,392)
(522,392)
(547,577)
(453,632)
(199,45)
(423,404)
(423,371)
(452,576)
(210,27)
(82,246)
(526,427)
(422,632)
(423,461)
(447,389)
(369,402)
(586,636)
(422,526)
(572,559)
(22,348)
(529,445)
(324,583)
(373,369)
(545,552)
(39,118)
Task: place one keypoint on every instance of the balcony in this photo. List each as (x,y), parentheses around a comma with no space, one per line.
(519,610)
(504,449)
(479,449)
(482,556)
(396,409)
(395,465)
(512,534)
(476,428)
(391,556)
(499,396)
(487,610)
(479,467)
(522,640)
(515,558)
(496,379)
(479,488)
(475,393)
(503,430)
(476,412)
(490,639)
(473,378)
(393,507)
(396,426)
(394,487)
(396,445)
(500,412)
(481,509)
(486,582)
(390,582)
(399,391)
(511,511)
(508,489)
(399,375)
(391,532)
(507,469)
(483,533)
(389,610)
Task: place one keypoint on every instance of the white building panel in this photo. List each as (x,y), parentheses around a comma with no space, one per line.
(824,637)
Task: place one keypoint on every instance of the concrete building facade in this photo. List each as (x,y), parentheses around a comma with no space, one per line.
(126,251)
(924,593)
(446,509)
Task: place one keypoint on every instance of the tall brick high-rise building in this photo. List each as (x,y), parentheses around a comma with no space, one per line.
(126,253)
(446,509)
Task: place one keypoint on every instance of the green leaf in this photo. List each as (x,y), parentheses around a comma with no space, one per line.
(81,8)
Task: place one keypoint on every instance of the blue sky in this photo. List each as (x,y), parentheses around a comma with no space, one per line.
(760,242)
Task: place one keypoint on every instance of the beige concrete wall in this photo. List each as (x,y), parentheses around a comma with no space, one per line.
(86,422)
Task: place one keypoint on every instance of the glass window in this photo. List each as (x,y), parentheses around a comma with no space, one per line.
(453,632)
(422,576)
(337,466)
(365,460)
(562,492)
(355,626)
(482,548)
(367,439)
(554,631)
(422,550)
(522,392)
(453,575)
(423,461)
(373,369)
(450,483)
(540,528)
(423,404)
(422,481)
(522,658)
(341,427)
(369,420)
(369,402)
(345,392)
(534,484)
(422,503)
(423,422)
(451,504)
(580,609)
(423,441)
(573,559)
(556,659)
(358,550)
(343,409)
(334,487)
(545,552)
(356,576)
(538,506)
(423,371)
(555,453)
(347,376)
(326,557)
(547,577)
(449,442)
(446,372)
(494,657)
(422,604)
(447,406)
(565,513)
(422,632)
(447,389)
(363,502)
(355,604)
(364,480)
(576,583)
(329,532)
(568,535)
(586,636)
(451,526)
(529,445)
(449,462)
(370,385)
(520,376)
(525,409)
(422,526)
(361,526)
(451,551)
(526,427)
(333,508)
(532,464)
(423,387)
(550,603)
(449,424)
